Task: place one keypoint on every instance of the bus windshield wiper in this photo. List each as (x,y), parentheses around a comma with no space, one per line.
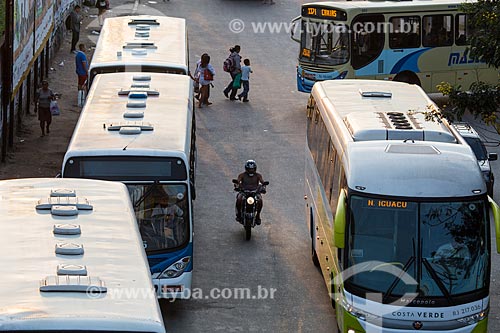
(438,281)
(405,269)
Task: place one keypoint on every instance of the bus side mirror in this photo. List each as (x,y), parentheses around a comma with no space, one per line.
(496,217)
(292,31)
(340,222)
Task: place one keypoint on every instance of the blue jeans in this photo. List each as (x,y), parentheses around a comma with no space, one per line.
(246,89)
(231,88)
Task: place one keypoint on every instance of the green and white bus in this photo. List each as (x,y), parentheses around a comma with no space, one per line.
(397,210)
(421,42)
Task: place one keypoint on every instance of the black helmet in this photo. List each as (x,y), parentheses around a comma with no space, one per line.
(250,167)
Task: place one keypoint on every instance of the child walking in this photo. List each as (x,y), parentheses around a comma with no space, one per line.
(245,80)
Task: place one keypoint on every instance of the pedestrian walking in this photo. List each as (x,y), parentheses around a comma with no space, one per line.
(76,20)
(82,71)
(43,98)
(232,65)
(245,80)
(102,6)
(205,73)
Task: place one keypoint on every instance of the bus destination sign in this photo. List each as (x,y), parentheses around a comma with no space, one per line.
(376,203)
(324,13)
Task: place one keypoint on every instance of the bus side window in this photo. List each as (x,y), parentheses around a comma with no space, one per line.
(439,30)
(366,44)
(336,186)
(405,32)
(462,33)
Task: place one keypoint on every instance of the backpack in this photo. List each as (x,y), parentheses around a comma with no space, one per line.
(207,75)
(228,65)
(67,23)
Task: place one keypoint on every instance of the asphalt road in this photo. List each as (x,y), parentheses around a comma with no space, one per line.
(271,130)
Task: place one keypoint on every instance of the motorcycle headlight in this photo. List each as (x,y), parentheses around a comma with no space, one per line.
(176,269)
(250,200)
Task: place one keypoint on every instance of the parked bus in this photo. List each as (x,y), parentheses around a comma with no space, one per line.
(139,129)
(397,210)
(420,42)
(141,44)
(72,259)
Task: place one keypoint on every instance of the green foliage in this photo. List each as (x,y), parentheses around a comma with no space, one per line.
(481,101)
(484,22)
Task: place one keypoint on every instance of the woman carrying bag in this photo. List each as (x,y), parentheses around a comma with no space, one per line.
(44,96)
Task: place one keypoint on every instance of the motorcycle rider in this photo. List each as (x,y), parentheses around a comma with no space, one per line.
(250,180)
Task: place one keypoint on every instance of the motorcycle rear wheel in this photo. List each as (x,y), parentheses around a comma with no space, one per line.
(248,232)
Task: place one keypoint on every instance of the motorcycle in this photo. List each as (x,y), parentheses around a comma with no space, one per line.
(249,206)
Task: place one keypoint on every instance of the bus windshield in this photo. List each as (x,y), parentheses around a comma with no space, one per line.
(162,214)
(325,43)
(443,246)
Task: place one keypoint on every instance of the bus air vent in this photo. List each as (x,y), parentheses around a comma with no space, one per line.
(380,94)
(69,283)
(62,192)
(139,52)
(141,77)
(69,249)
(67,229)
(71,269)
(130,130)
(138,94)
(142,34)
(139,90)
(79,203)
(136,104)
(130,124)
(133,114)
(411,148)
(143,22)
(64,210)
(139,45)
(143,27)
(140,85)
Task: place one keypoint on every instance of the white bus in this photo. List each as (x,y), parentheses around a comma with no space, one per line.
(141,44)
(72,259)
(397,209)
(139,129)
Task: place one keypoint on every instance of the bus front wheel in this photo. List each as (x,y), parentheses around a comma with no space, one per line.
(408,77)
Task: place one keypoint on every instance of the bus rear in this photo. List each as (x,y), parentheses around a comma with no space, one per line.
(141,43)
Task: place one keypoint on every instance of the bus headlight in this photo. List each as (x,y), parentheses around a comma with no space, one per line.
(176,269)
(469,320)
(362,315)
(250,200)
(342,75)
(309,76)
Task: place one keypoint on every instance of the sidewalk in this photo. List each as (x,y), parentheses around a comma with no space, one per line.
(35,156)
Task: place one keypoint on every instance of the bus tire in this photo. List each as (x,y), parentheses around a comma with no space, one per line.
(332,290)
(408,77)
